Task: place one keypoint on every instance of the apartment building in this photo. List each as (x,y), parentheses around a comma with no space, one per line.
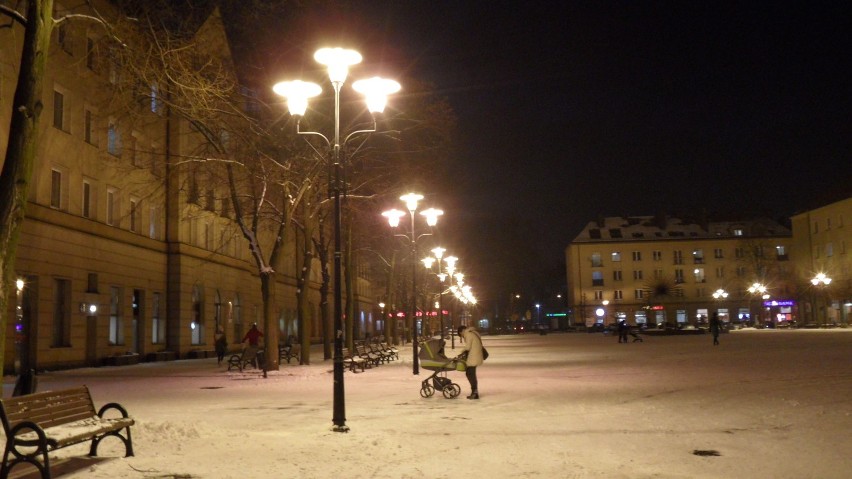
(123,253)
(822,238)
(654,270)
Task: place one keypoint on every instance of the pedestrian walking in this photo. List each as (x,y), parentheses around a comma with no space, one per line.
(715,327)
(473,357)
(221,345)
(623,329)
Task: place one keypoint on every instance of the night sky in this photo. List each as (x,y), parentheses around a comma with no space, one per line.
(573,110)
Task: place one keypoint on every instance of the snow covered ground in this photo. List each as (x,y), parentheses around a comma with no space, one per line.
(771,404)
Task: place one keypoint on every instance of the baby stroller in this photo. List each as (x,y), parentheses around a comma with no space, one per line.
(432,358)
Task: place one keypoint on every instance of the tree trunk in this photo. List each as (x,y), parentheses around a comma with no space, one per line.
(270,326)
(17,172)
(302,303)
(349,319)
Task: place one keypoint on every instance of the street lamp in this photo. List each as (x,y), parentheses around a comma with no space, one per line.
(821,281)
(297,93)
(428,262)
(756,289)
(411,202)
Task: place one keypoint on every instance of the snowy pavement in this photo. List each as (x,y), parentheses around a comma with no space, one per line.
(768,404)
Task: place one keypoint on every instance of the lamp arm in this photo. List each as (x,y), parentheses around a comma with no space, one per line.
(360,132)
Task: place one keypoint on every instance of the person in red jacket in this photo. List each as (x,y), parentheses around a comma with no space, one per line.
(253,336)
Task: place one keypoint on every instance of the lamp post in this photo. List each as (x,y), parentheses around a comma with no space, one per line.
(428,262)
(821,281)
(297,93)
(411,202)
(756,289)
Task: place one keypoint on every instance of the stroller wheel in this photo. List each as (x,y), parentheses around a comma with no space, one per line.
(452,391)
(427,391)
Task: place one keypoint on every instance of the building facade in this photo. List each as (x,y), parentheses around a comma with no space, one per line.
(124,253)
(821,239)
(658,271)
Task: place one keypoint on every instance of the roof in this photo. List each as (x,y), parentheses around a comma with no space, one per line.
(656,228)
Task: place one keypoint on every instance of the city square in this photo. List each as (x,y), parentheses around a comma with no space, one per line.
(763,403)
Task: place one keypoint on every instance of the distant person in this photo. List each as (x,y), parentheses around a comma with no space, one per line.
(472,356)
(221,345)
(623,329)
(253,336)
(715,327)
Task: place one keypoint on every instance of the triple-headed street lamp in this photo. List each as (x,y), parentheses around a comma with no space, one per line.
(297,93)
(428,262)
(757,289)
(821,281)
(411,202)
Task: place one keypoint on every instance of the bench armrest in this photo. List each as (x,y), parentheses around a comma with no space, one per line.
(113,405)
(25,427)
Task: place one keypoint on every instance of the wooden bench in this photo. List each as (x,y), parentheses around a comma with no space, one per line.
(249,357)
(354,363)
(36,424)
(289,352)
(372,358)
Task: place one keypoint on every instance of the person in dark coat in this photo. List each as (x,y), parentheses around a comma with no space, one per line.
(473,357)
(253,336)
(221,345)
(715,327)
(623,329)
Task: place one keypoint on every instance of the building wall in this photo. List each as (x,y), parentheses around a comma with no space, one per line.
(153,240)
(822,240)
(723,262)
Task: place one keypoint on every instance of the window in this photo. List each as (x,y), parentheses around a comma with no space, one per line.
(720,272)
(113,138)
(678,256)
(156,103)
(91,54)
(596,260)
(64,38)
(92,283)
(741,271)
(210,200)
(699,275)
(616,275)
(698,256)
(638,293)
(116,328)
(597,278)
(717,253)
(658,273)
(617,294)
(829,250)
(55,189)
(158,325)
(154,222)
(637,274)
(87,199)
(59,111)
(781,253)
(598,294)
(616,256)
(134,215)
(739,253)
(658,255)
(738,232)
(111,206)
(637,256)
(678,276)
(61,313)
(700,292)
(89,134)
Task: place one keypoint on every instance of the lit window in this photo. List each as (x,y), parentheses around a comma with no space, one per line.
(616,256)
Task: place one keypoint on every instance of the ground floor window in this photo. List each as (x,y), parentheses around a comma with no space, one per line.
(641,318)
(681,316)
(116,328)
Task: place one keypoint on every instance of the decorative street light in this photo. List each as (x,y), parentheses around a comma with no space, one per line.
(297,93)
(720,294)
(428,262)
(821,281)
(756,289)
(411,200)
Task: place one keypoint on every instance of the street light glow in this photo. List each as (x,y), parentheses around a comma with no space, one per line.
(376,91)
(297,93)
(411,200)
(338,61)
(821,278)
(431,215)
(393,216)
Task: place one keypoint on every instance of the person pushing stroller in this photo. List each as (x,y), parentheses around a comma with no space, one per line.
(472,356)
